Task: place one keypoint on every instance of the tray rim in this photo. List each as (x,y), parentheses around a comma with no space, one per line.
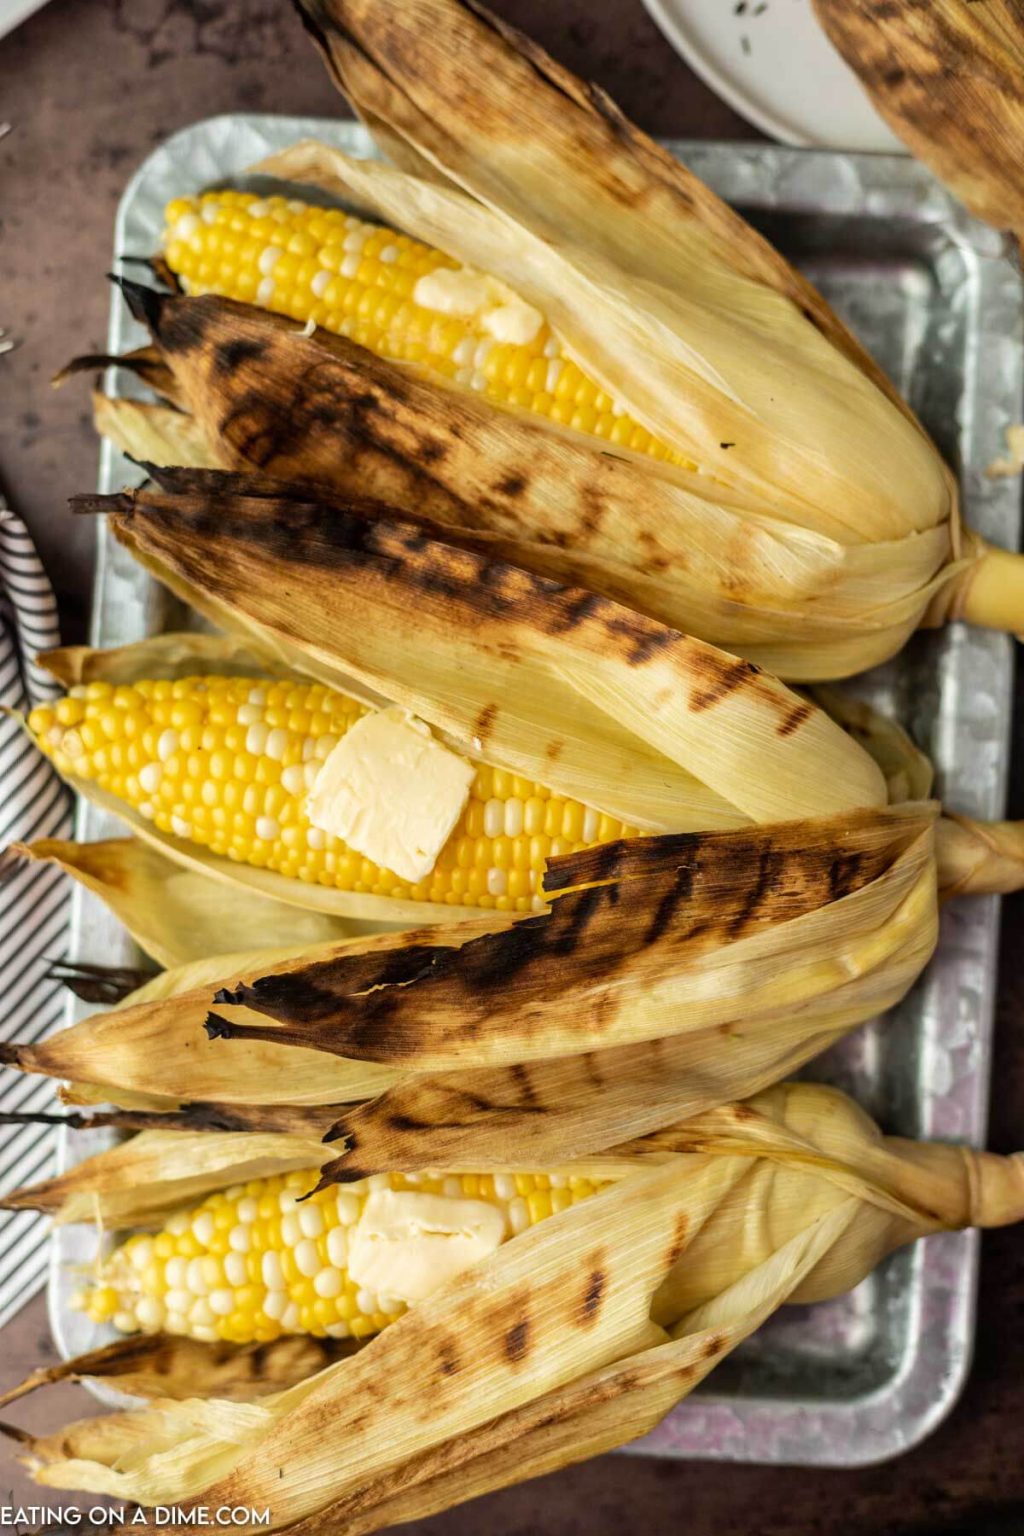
(898,176)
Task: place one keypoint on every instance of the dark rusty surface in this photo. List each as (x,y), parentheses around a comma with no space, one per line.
(90,87)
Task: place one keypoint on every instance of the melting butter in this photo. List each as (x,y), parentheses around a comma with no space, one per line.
(408,1244)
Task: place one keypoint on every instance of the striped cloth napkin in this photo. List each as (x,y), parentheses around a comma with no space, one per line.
(34,899)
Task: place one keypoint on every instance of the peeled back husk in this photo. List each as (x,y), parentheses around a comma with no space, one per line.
(572,1337)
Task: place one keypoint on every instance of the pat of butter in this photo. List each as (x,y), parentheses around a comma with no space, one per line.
(515,322)
(453,291)
(391,792)
(407,1244)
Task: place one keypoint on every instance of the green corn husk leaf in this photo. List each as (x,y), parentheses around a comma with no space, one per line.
(166,1366)
(554,683)
(320,407)
(571,1337)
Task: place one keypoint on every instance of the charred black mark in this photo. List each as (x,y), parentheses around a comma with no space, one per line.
(723,675)
(431,451)
(229,355)
(517,1341)
(553,750)
(769,864)
(716,1345)
(681,890)
(407,1123)
(577,607)
(591,1303)
(843,874)
(646,638)
(727,445)
(680,1235)
(793,719)
(511,485)
(521,1078)
(449,1358)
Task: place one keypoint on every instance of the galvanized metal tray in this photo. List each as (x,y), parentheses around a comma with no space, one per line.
(931,293)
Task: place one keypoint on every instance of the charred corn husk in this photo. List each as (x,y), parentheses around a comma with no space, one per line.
(571,1336)
(259,1260)
(666,322)
(554,684)
(947,78)
(600,1019)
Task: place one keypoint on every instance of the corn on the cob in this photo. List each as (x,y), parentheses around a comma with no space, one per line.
(259,1260)
(228,763)
(571,1337)
(371,284)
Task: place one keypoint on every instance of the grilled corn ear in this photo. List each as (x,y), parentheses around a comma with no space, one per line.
(598,1020)
(625,1299)
(555,684)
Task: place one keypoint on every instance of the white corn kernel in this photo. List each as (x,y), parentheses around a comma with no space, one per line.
(497,882)
(494,818)
(267,828)
(240,1239)
(366,1301)
(195,1280)
(337,1330)
(327,1283)
(203,1228)
(265,291)
(277,743)
(591,822)
(513,816)
(291,1232)
(236,1271)
(290,1317)
(274,1304)
(311,1220)
(307,1260)
(179,1301)
(142,1253)
(167,744)
(316,838)
(269,259)
(319,283)
(150,1313)
(180,827)
(337,1247)
(175,1273)
(519,1215)
(125,1322)
(202,1314)
(294,779)
(504,1186)
(348,1208)
(222,1302)
(248,1210)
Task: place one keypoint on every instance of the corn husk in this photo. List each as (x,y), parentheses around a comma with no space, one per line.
(556,683)
(577,1335)
(668,975)
(947,79)
(166,1366)
(319,407)
(663,295)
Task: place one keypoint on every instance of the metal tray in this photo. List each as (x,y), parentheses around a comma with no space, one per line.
(931,293)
